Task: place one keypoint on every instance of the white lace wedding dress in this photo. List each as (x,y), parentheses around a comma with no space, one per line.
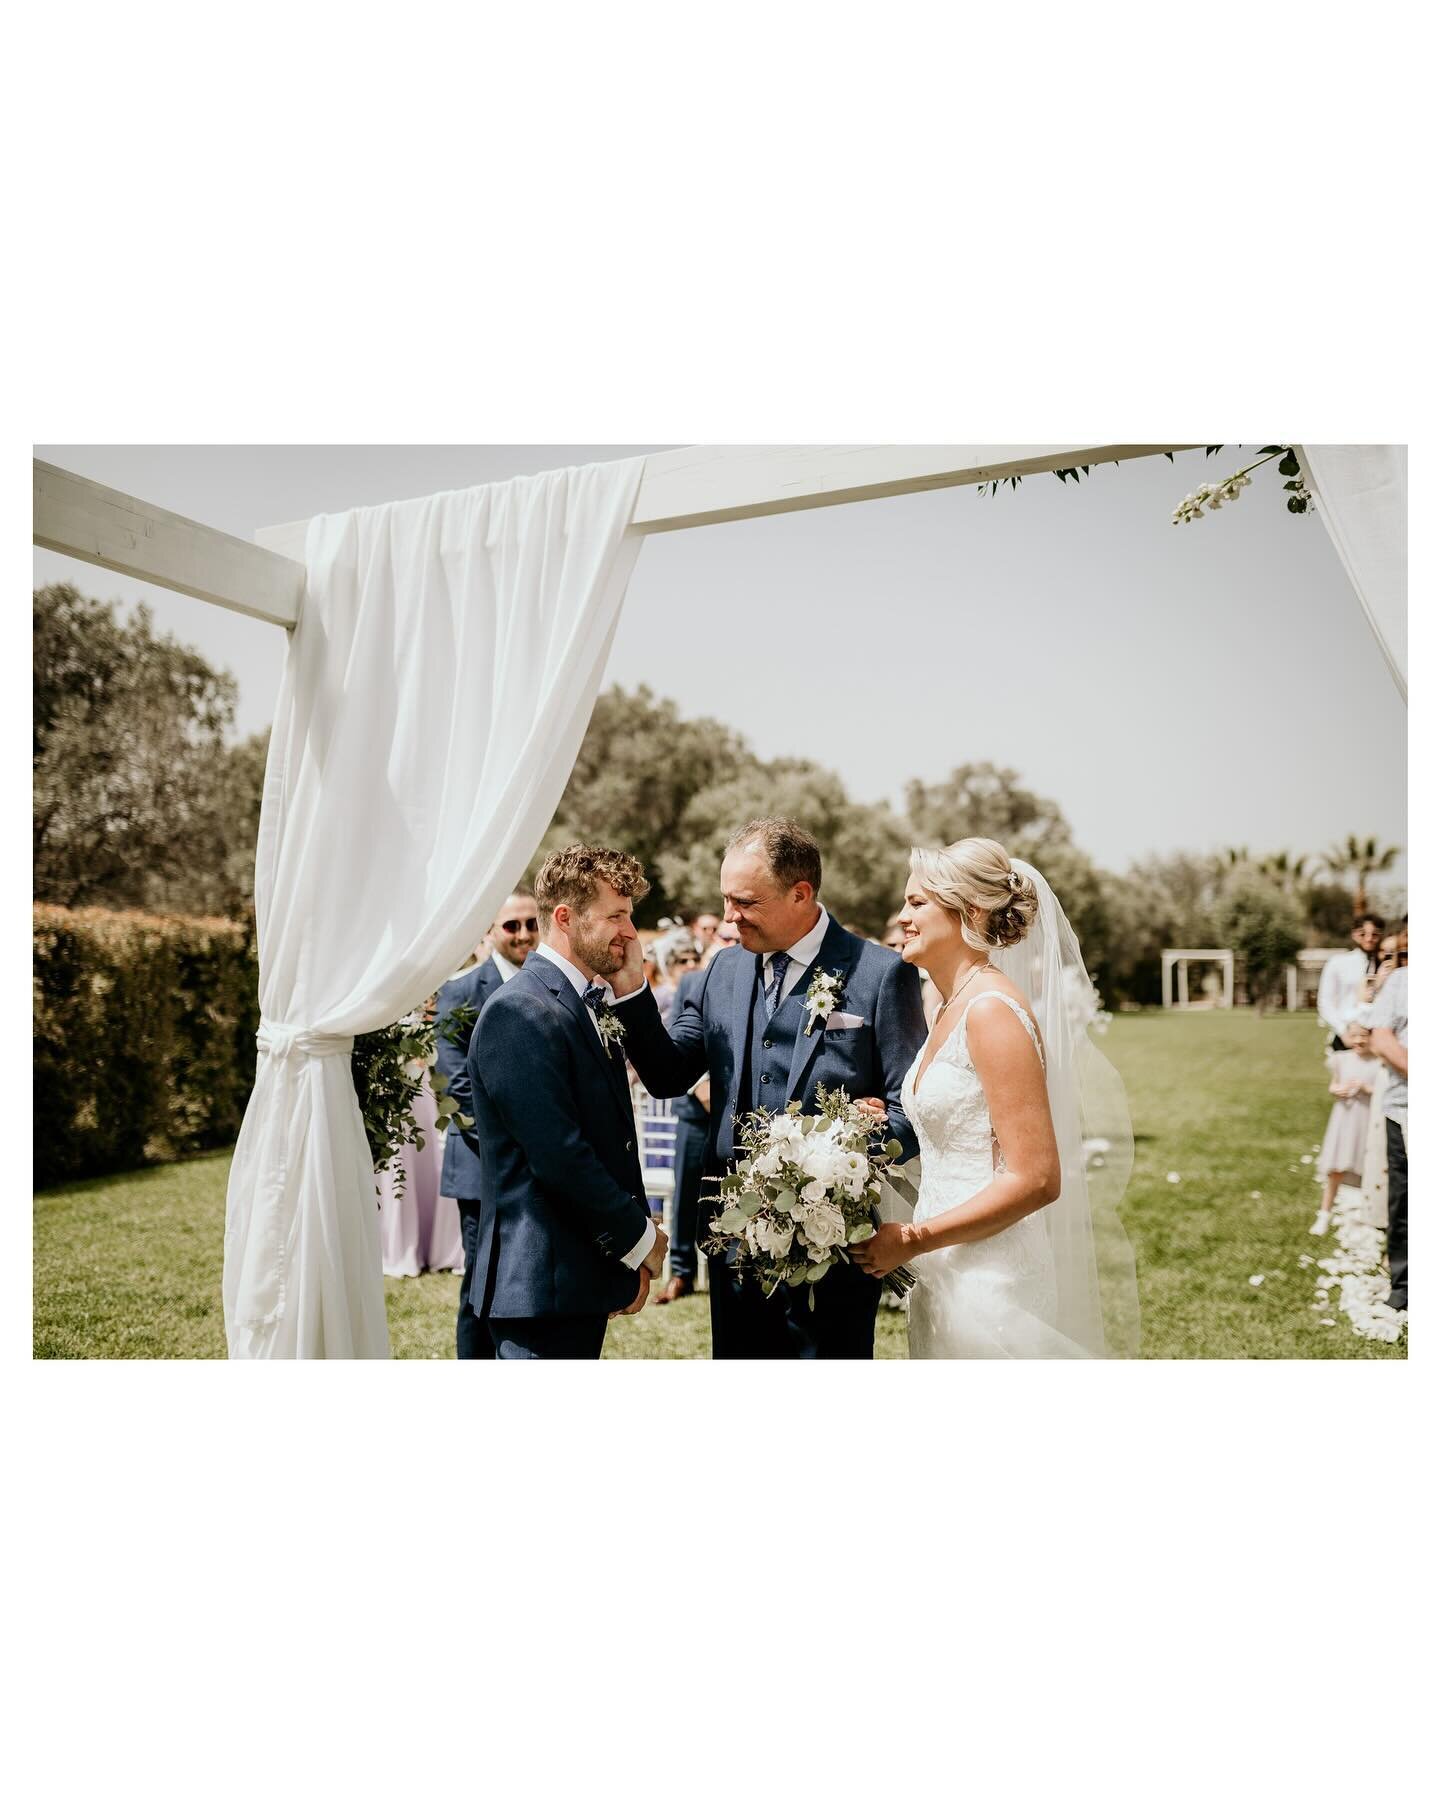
(997,1297)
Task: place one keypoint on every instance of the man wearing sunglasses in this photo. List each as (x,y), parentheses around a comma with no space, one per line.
(515,933)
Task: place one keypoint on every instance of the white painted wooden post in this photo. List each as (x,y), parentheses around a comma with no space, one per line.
(1167,969)
(1230,978)
(1184,981)
(1292,1000)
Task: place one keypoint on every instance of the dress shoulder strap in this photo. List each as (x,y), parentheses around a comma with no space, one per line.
(1019,1012)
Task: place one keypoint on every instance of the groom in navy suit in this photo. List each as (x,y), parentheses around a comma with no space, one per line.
(514,934)
(745,1023)
(566,1240)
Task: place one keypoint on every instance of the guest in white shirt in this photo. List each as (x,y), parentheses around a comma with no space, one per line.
(1341,979)
(1389,1034)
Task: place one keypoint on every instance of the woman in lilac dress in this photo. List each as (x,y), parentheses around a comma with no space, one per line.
(419,1226)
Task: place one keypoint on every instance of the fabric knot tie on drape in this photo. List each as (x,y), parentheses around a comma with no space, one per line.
(286,1041)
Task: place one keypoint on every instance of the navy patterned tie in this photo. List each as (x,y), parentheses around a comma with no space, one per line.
(595,998)
(779,963)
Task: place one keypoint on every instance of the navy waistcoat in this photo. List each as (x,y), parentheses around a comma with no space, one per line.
(772,1045)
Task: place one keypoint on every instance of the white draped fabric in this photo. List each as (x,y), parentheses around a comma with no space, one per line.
(436,692)
(1361,490)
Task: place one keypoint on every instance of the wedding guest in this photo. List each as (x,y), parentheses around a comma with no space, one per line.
(1374,1174)
(1356,1077)
(677,955)
(1389,1029)
(692,1132)
(1341,977)
(726,937)
(419,1228)
(515,933)
(703,928)
(1342,1153)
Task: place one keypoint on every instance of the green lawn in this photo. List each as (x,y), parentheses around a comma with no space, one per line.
(130,1265)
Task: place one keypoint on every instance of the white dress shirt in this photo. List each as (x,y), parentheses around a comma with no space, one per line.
(801,954)
(579,980)
(1340,989)
(508,970)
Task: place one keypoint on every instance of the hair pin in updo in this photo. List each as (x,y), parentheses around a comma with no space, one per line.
(1016,880)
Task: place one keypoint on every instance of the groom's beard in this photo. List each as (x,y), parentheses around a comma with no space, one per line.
(597,949)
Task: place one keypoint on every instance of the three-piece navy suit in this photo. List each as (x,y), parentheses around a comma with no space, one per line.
(461,1174)
(563,1194)
(720,1026)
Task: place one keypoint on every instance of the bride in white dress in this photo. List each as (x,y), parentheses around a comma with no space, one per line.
(1016,1248)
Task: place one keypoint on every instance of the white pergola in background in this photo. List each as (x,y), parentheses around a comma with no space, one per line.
(1179,962)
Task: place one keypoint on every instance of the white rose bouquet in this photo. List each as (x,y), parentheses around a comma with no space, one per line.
(805,1188)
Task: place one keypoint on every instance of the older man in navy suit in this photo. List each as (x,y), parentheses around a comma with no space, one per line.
(745,1023)
(514,935)
(566,1241)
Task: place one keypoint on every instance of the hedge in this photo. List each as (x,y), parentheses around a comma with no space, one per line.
(144,1038)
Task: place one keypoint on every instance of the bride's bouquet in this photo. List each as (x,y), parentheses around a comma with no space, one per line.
(805,1188)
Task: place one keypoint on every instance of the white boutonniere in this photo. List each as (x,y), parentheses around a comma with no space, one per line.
(821,998)
(612,1028)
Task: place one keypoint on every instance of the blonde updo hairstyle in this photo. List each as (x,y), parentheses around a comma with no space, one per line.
(995,904)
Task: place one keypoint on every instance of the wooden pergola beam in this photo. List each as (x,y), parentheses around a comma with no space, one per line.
(710,484)
(715,484)
(702,484)
(101,525)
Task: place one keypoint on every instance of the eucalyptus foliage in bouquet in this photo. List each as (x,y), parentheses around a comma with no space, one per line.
(388,1067)
(806,1188)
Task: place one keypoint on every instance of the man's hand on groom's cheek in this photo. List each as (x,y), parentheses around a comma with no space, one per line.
(629,978)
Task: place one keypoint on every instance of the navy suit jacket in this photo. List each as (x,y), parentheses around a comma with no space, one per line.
(710,1030)
(460,1173)
(564,1198)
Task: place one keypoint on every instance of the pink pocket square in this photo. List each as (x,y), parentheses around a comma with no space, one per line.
(839,1021)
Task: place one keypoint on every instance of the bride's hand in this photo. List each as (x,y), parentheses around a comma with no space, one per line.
(889,1247)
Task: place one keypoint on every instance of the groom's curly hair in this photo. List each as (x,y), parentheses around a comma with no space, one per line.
(572,876)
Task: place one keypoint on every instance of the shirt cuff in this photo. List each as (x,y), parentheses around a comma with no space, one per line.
(642,1249)
(620,999)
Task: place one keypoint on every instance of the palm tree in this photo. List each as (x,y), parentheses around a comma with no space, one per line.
(1358,859)
(1288,873)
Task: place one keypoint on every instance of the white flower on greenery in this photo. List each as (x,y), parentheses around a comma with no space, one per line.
(821,998)
(814,1193)
(1173,1179)
(768,1162)
(823,1162)
(1255,1280)
(769,1237)
(856,1176)
(1211,495)
(824,1227)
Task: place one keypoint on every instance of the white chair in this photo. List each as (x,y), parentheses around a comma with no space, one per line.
(657,1127)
